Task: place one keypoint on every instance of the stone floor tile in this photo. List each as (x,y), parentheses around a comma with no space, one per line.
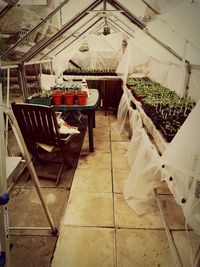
(92,181)
(119,178)
(163,189)
(119,147)
(120,162)
(102,122)
(100,145)
(89,209)
(102,135)
(183,247)
(96,160)
(116,136)
(126,217)
(100,113)
(32,251)
(84,247)
(25,201)
(50,170)
(173,212)
(113,118)
(147,248)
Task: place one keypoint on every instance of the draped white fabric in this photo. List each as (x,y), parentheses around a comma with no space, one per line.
(144,175)
(104,52)
(61,61)
(105,42)
(181,161)
(132,57)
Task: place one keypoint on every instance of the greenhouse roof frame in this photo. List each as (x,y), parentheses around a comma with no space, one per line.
(7,8)
(41,45)
(117,24)
(72,34)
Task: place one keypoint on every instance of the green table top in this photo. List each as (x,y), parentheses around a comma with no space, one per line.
(92,102)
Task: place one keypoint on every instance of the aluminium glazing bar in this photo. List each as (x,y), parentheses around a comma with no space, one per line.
(36,28)
(119,30)
(150,7)
(62,41)
(76,38)
(116,17)
(127,13)
(169,49)
(115,23)
(39,47)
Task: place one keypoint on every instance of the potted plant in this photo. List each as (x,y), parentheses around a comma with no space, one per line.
(69,97)
(41,98)
(81,97)
(57,96)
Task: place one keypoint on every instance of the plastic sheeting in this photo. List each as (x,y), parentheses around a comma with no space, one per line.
(132,57)
(144,175)
(105,42)
(47,81)
(154,49)
(184,20)
(136,126)
(97,59)
(61,61)
(122,112)
(165,74)
(104,52)
(194,82)
(181,168)
(136,60)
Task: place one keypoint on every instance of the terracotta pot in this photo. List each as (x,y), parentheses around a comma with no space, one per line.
(69,99)
(57,98)
(81,98)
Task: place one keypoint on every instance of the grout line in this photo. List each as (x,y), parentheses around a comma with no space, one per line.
(113,194)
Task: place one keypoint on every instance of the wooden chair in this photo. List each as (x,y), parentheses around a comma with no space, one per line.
(38,125)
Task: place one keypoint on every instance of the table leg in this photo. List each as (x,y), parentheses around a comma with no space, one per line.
(94,120)
(90,129)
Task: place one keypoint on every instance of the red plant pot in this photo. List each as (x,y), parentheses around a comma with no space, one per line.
(81,98)
(57,98)
(69,99)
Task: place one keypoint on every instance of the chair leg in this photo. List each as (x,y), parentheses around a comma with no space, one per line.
(59,174)
(65,156)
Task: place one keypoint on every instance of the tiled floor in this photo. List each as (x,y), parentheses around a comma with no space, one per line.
(99,229)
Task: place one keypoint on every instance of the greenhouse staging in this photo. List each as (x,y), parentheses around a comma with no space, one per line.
(99,136)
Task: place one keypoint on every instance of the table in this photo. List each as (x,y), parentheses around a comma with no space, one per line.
(89,110)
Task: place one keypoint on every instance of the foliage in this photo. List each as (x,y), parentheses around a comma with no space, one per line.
(167,110)
(90,71)
(44,94)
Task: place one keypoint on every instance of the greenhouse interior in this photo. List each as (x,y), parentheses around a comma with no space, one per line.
(99,137)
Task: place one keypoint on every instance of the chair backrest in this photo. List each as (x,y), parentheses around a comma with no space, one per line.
(38,124)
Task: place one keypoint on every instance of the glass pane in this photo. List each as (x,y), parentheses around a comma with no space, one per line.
(24,20)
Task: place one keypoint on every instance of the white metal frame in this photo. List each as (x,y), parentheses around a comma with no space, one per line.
(4,221)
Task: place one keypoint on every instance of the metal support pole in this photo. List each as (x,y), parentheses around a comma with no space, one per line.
(187,78)
(22,81)
(172,246)
(30,166)
(5,259)
(7,102)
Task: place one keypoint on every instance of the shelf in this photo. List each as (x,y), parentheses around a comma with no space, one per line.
(12,164)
